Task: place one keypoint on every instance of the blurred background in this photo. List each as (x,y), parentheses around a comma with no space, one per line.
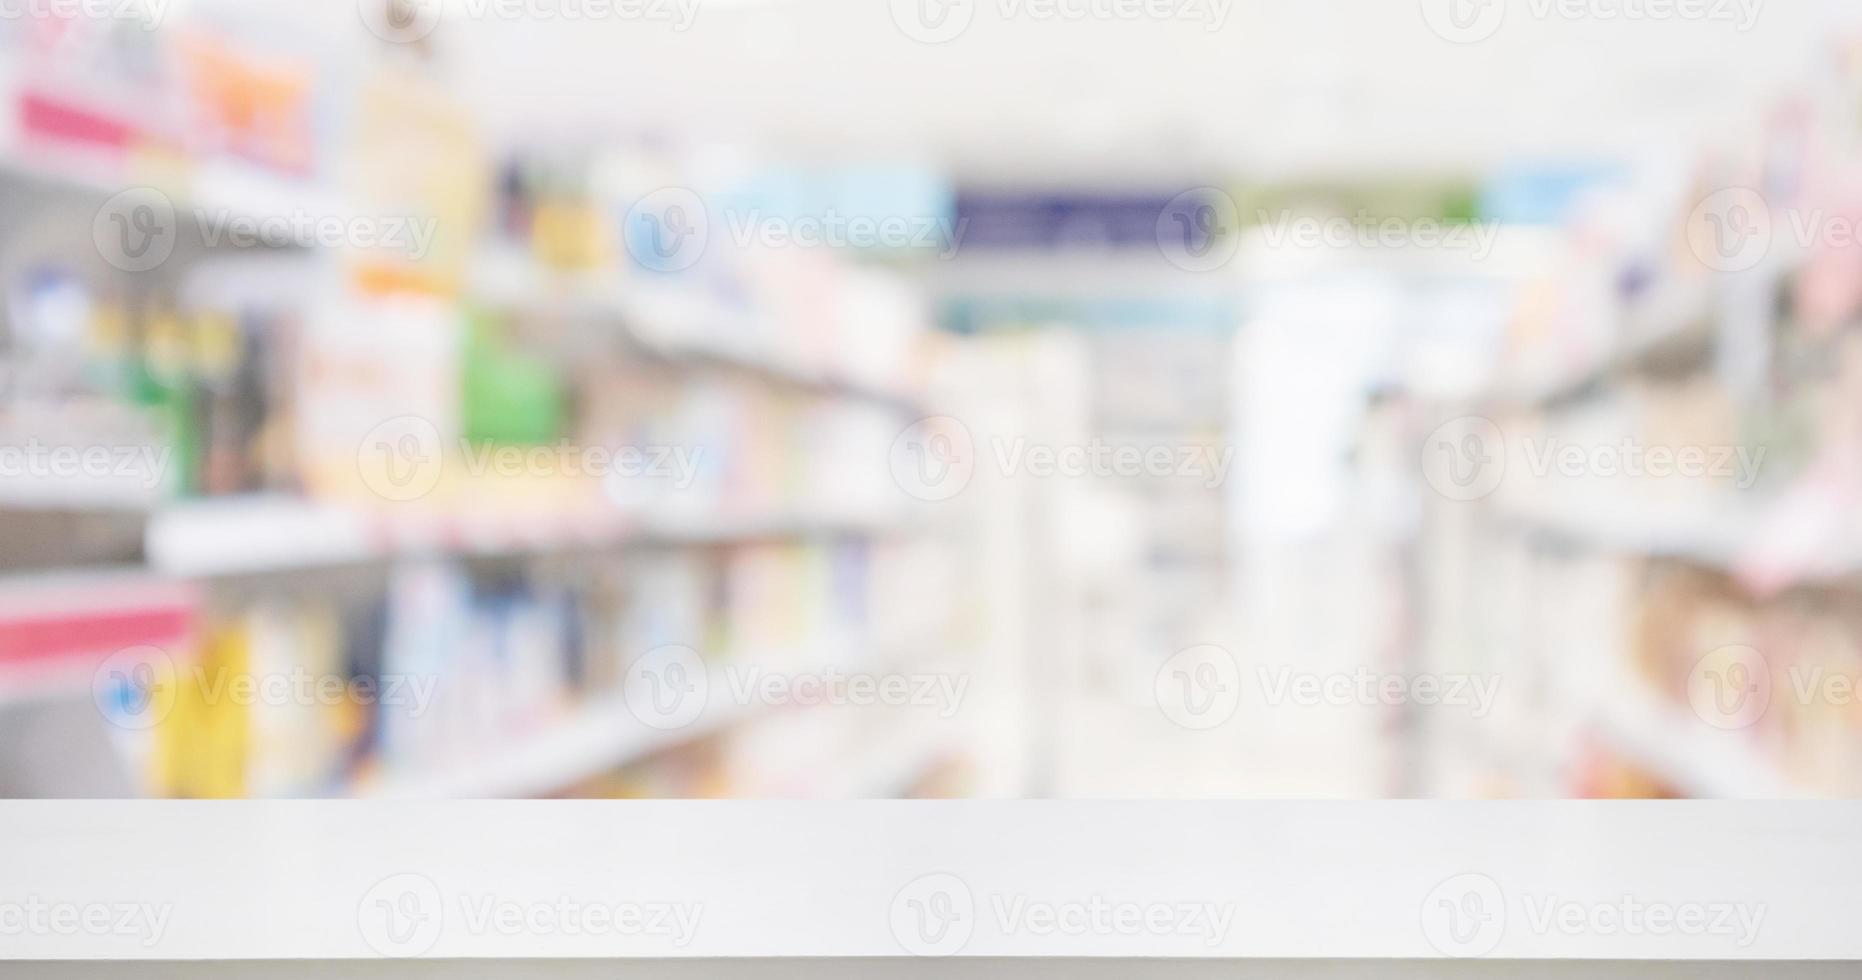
(933,398)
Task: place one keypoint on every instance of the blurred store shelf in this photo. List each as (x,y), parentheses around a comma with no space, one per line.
(679,326)
(891,767)
(1676,320)
(597,737)
(1701,761)
(245,536)
(1726,536)
(1715,535)
(57,628)
(77,494)
(220,192)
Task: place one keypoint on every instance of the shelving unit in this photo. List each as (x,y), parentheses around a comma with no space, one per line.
(1721,537)
(219,539)
(76,495)
(891,767)
(1712,536)
(597,737)
(1701,761)
(271,555)
(1659,575)
(57,628)
(229,191)
(670,324)
(1679,318)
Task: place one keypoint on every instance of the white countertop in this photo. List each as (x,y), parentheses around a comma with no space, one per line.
(541,880)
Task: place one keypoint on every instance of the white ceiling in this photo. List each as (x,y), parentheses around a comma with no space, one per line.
(1288,87)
